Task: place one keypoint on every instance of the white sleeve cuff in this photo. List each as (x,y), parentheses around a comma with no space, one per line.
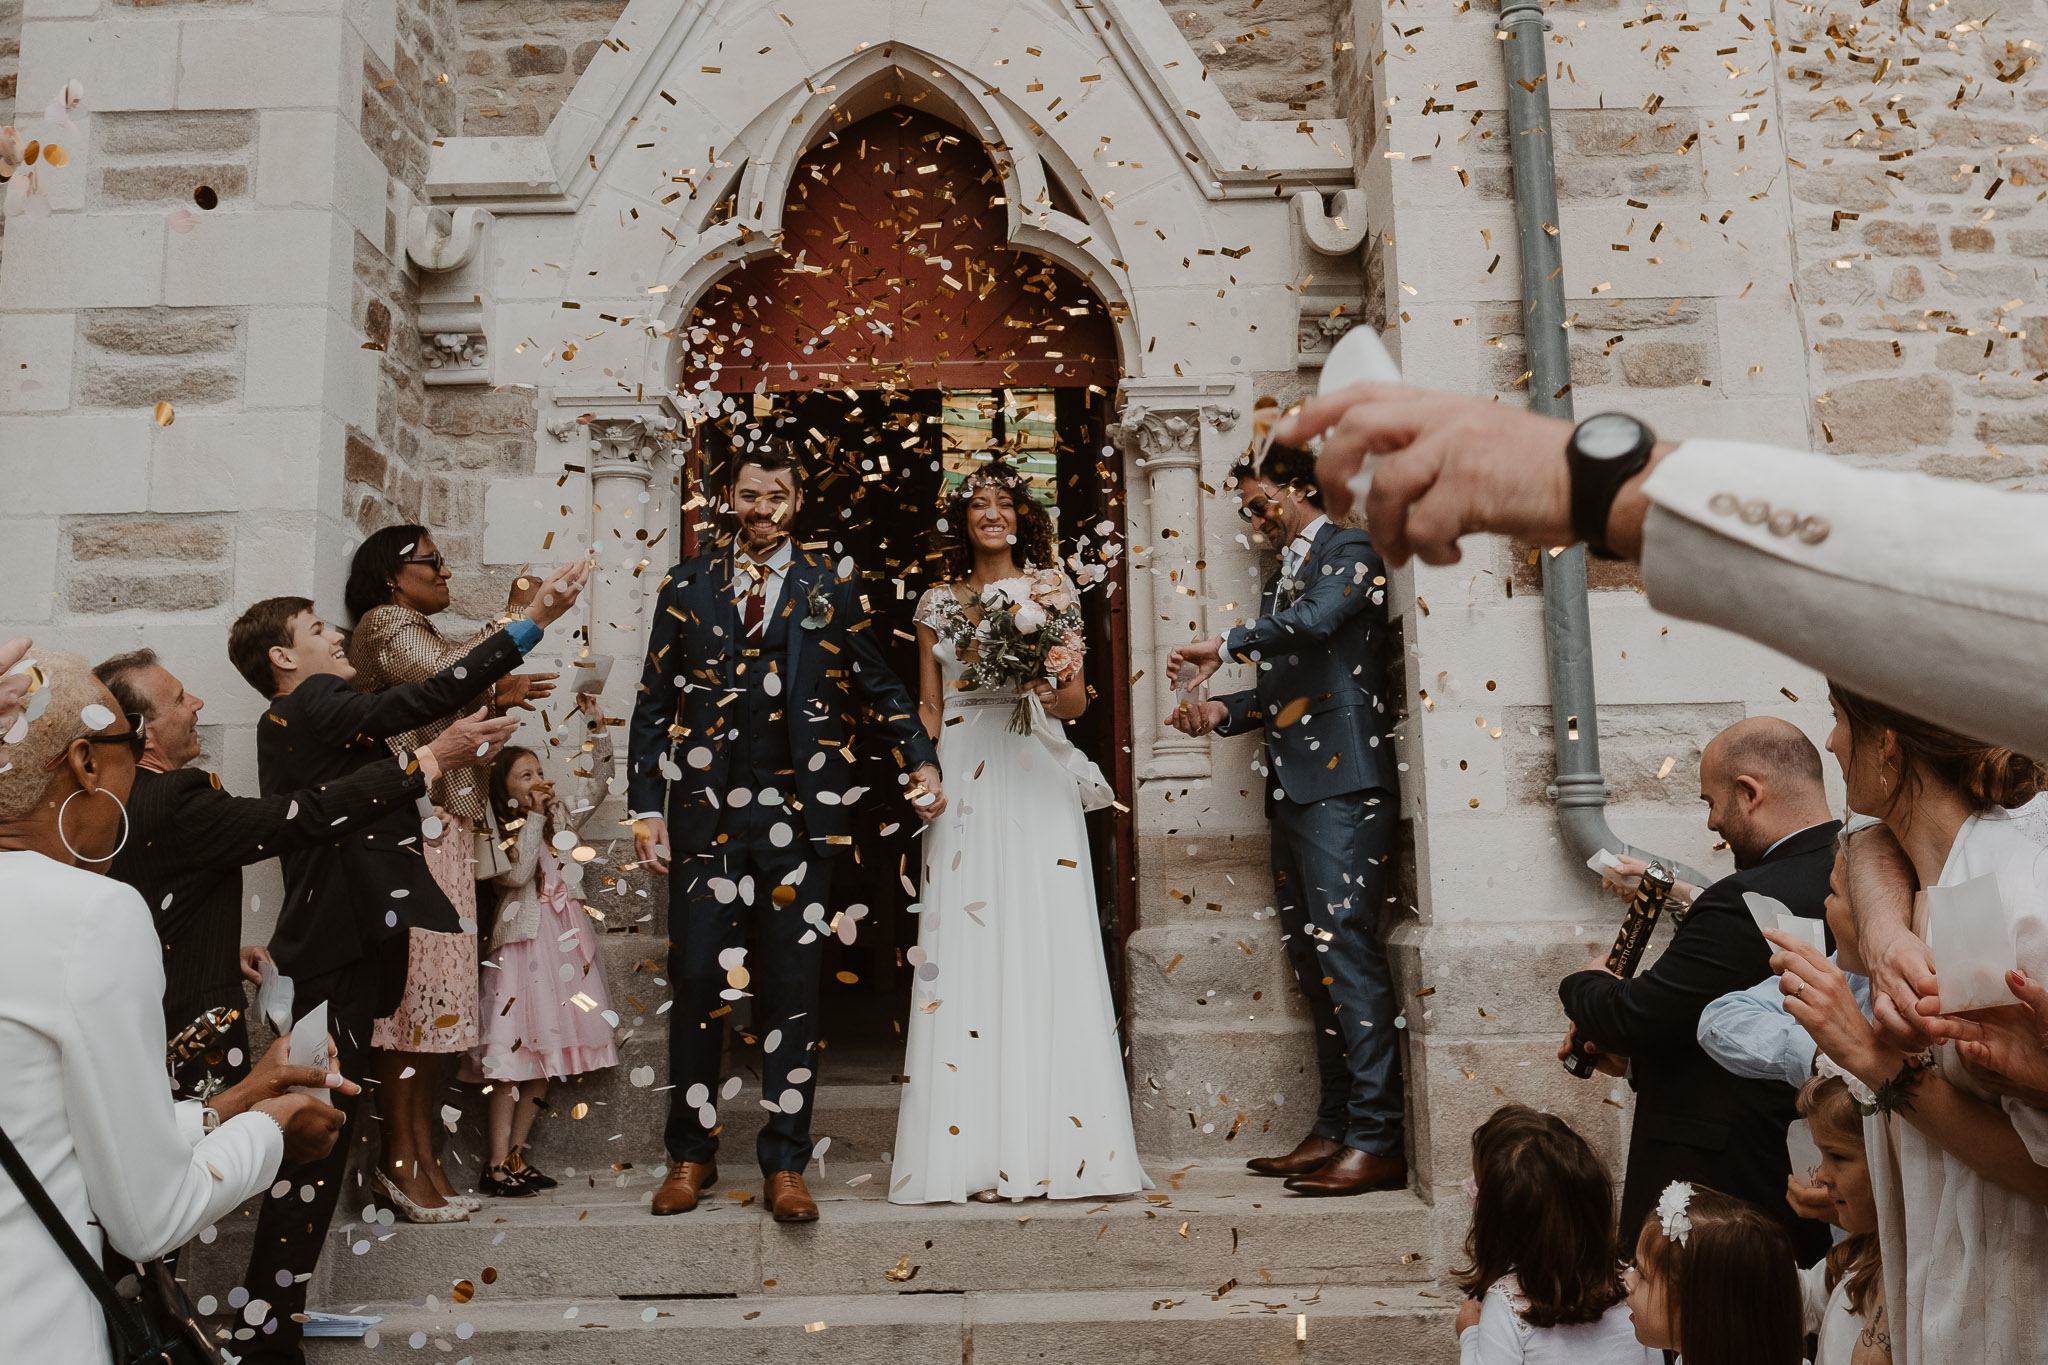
(191,1116)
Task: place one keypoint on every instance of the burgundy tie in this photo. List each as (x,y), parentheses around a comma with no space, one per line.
(757,598)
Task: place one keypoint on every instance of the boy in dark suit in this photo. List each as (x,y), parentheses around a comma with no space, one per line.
(349,906)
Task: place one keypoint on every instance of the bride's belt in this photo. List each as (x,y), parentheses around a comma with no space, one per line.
(980,698)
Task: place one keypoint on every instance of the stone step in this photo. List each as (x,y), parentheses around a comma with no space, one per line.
(594,1238)
(855,1105)
(1189,1325)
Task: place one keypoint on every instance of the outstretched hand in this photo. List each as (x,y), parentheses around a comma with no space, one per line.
(2005,1048)
(310,1126)
(1818,998)
(650,843)
(522,690)
(1198,718)
(1203,656)
(13,687)
(474,738)
(558,594)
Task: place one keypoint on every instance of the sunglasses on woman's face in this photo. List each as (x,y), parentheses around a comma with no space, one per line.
(135,737)
(433,561)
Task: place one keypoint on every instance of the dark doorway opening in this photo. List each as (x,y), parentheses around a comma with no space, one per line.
(895,332)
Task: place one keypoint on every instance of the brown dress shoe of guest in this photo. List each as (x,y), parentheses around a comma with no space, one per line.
(1353,1172)
(787,1198)
(678,1193)
(1312,1152)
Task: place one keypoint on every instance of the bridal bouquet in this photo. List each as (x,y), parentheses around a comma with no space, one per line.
(1030,628)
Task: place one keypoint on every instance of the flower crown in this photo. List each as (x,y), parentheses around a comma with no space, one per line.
(1673,1211)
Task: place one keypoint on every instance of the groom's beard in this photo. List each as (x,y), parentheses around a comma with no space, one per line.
(759,537)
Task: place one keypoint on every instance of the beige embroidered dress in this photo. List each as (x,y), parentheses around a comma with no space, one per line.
(393,645)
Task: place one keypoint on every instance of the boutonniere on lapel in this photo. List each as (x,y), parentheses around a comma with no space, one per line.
(818,605)
(1288,591)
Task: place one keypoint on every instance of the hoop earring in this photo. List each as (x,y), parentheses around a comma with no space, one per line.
(67,843)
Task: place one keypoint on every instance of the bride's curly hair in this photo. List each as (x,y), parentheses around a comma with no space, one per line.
(1037,546)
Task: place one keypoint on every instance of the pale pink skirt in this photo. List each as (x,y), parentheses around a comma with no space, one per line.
(534,1024)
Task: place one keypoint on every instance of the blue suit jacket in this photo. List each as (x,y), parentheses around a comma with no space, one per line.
(689,701)
(1319,677)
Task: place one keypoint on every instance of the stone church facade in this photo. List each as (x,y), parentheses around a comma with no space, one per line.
(435,260)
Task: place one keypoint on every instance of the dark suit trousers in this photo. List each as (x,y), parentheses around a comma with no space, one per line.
(782,978)
(290,1230)
(1329,864)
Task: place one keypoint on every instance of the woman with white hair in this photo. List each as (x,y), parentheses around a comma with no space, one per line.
(84,1095)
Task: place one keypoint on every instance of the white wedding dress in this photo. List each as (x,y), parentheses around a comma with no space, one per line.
(1015,1075)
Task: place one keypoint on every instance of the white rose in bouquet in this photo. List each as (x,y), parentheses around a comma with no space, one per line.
(1028,617)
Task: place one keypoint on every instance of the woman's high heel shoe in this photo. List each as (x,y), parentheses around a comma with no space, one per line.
(413,1213)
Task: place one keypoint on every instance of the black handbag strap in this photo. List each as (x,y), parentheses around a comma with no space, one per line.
(120,1313)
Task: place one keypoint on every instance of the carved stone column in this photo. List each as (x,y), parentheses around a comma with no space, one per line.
(1167,592)
(624,452)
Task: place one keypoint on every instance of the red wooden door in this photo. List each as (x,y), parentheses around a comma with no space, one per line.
(894,273)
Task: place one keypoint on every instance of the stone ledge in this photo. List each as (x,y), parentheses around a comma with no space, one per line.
(1191,1325)
(1204,1224)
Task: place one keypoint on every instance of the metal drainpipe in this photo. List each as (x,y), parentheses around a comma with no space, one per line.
(1580,792)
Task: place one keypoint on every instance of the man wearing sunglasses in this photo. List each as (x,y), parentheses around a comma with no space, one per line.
(1330,796)
(190,838)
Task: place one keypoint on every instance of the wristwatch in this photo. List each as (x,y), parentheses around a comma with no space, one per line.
(1604,453)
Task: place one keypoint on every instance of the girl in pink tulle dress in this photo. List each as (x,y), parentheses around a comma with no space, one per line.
(543,1005)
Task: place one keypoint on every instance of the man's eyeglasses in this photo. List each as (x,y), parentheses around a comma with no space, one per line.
(433,561)
(1253,510)
(135,737)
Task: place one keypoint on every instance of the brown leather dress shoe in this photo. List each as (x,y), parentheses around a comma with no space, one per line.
(1309,1153)
(787,1198)
(1353,1172)
(678,1193)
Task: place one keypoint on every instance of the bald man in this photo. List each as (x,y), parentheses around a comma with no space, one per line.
(1694,1121)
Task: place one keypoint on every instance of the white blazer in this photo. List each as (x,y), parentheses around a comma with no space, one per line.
(85,1095)
(1930,595)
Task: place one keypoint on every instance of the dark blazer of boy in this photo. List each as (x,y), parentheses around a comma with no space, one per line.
(349,906)
(342,899)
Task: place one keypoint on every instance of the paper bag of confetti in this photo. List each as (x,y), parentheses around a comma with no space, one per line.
(1971,936)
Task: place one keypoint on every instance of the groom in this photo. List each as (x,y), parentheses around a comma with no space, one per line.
(758,660)
(1331,800)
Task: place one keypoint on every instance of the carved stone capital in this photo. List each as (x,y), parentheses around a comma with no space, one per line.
(1167,437)
(453,347)
(455,350)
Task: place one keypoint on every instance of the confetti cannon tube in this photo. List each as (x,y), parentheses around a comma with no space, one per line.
(1627,953)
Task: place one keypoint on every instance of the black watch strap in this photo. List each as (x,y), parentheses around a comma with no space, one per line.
(1605,452)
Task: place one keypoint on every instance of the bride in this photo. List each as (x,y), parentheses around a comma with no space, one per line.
(1015,1082)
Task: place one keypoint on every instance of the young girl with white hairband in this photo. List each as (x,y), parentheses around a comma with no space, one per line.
(1714,1280)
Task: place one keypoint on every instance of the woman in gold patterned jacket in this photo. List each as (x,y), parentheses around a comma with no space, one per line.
(397,583)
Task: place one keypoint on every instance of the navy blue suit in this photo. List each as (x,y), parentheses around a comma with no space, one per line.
(1331,798)
(748,745)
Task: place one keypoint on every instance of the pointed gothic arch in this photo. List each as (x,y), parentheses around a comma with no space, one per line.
(1040,215)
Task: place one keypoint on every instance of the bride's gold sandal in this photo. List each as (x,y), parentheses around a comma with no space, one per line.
(989,1196)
